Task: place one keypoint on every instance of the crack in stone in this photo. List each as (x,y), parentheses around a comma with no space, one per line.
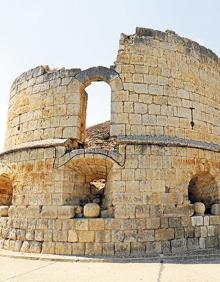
(27,272)
(159,278)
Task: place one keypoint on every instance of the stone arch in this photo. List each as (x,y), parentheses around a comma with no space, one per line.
(204,188)
(96,74)
(6,185)
(85,78)
(83,167)
(93,162)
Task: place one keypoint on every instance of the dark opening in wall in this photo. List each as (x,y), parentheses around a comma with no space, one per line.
(203,188)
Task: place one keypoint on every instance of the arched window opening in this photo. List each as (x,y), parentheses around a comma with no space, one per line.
(5,190)
(98,103)
(203,188)
(96,115)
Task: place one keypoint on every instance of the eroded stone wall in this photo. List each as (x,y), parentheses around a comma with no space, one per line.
(166,154)
(164,75)
(155,180)
(111,237)
(44,104)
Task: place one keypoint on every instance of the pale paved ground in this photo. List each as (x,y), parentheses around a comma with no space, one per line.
(22,270)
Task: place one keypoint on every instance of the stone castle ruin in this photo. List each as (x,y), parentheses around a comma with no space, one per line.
(145,183)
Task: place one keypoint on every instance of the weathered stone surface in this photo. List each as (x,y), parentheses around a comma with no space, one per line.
(86,236)
(178,246)
(108,249)
(153,223)
(96,224)
(197,220)
(25,246)
(35,247)
(174,222)
(179,233)
(60,235)
(166,247)
(138,249)
(66,212)
(199,208)
(185,210)
(164,234)
(49,212)
(103,236)
(212,242)
(215,209)
(63,248)
(82,224)
(3,210)
(48,247)
(118,236)
(147,168)
(192,244)
(122,249)
(214,219)
(72,236)
(93,249)
(91,210)
(105,214)
(153,248)
(78,249)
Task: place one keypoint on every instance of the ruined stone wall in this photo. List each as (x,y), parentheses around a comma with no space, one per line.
(111,237)
(49,104)
(38,184)
(164,75)
(154,182)
(166,155)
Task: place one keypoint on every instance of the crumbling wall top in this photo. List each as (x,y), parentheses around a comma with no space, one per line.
(47,73)
(146,35)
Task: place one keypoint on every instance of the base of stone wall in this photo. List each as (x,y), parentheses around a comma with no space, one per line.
(111,237)
(99,250)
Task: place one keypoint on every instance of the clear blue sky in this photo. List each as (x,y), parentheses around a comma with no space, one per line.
(85,33)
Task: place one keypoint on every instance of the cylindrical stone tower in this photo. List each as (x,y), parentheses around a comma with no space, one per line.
(165,124)
(44,105)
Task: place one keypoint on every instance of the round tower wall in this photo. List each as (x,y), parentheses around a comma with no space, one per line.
(171,88)
(44,104)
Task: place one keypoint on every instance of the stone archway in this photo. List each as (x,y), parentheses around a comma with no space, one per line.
(84,167)
(86,77)
(204,188)
(96,74)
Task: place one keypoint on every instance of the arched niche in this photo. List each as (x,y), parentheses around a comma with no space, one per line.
(84,167)
(203,188)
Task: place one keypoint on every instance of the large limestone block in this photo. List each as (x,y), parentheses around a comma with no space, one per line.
(91,210)
(197,220)
(66,212)
(3,210)
(199,208)
(72,236)
(215,209)
(49,212)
